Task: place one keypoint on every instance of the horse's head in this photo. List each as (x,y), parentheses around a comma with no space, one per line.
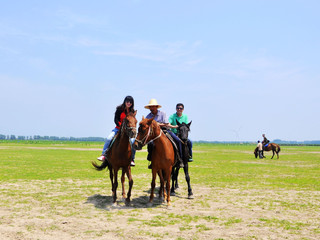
(130,124)
(183,130)
(144,133)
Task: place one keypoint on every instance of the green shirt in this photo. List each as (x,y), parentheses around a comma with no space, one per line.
(174,117)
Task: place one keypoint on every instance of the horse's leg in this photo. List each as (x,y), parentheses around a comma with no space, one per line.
(272,153)
(168,174)
(111,178)
(174,174)
(115,185)
(153,185)
(161,190)
(186,173)
(130,185)
(176,185)
(122,183)
(164,182)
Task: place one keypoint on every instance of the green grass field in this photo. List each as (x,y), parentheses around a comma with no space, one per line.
(236,195)
(232,166)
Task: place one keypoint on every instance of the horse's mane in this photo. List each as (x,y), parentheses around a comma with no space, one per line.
(130,113)
(121,130)
(154,124)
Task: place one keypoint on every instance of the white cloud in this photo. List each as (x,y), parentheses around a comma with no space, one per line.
(173,52)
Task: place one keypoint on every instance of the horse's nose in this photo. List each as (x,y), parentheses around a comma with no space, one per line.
(133,134)
(137,146)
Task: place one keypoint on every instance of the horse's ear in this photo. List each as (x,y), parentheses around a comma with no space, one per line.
(150,120)
(189,123)
(178,123)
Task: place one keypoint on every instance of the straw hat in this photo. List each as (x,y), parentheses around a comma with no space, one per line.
(152,102)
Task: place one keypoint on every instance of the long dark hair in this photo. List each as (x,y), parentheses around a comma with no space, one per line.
(122,107)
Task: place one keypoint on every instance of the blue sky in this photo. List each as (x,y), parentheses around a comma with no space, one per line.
(242,68)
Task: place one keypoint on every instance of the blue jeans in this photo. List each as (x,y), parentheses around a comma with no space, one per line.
(189,142)
(177,141)
(109,139)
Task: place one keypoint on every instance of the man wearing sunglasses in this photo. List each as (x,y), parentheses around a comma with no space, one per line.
(182,118)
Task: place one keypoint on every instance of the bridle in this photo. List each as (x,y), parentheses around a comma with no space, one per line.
(143,141)
(184,142)
(126,129)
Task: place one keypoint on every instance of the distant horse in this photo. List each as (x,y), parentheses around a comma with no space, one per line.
(162,157)
(183,130)
(275,148)
(120,155)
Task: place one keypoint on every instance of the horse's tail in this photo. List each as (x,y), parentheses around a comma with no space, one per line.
(101,167)
(279,148)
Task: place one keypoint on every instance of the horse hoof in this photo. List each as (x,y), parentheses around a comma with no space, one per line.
(127,202)
(114,204)
(190,196)
(172,194)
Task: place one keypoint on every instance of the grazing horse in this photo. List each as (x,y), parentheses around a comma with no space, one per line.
(162,157)
(183,130)
(275,148)
(120,155)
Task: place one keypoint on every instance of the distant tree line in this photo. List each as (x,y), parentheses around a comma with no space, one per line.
(284,142)
(51,138)
(100,139)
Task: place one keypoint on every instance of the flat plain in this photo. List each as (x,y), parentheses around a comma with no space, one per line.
(49,190)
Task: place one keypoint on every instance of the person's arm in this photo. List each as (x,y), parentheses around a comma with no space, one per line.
(167,125)
(117,117)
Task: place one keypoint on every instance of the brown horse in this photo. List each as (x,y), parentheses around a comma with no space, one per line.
(275,148)
(162,157)
(120,155)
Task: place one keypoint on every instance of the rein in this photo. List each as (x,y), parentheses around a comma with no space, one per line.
(144,140)
(125,129)
(183,142)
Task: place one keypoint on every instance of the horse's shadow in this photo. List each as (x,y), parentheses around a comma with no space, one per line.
(106,202)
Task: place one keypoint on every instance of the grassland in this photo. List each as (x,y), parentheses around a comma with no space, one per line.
(49,190)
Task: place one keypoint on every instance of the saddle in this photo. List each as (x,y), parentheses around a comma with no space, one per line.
(177,158)
(111,144)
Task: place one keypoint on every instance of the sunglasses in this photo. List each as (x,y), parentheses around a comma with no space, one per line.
(179,108)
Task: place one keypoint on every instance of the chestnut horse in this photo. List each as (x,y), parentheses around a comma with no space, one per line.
(120,155)
(275,148)
(183,130)
(162,157)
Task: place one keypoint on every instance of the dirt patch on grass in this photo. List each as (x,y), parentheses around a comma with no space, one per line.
(83,210)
